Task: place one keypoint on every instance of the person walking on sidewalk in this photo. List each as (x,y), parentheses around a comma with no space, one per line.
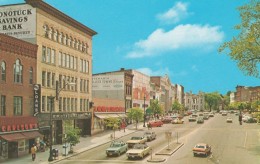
(33,152)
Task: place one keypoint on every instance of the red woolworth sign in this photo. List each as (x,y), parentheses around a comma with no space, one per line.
(8,128)
(108,109)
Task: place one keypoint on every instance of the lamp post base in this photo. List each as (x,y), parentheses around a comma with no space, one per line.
(50,158)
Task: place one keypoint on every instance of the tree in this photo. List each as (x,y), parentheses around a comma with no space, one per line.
(72,134)
(212,99)
(245,48)
(155,107)
(176,106)
(113,123)
(135,114)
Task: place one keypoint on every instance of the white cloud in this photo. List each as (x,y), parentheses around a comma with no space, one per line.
(182,36)
(174,14)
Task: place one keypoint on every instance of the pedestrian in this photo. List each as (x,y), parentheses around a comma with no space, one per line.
(33,152)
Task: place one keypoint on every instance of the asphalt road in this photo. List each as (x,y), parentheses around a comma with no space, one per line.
(231,144)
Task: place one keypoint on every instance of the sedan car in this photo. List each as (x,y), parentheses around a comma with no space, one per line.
(229,120)
(192,119)
(200,120)
(116,148)
(177,121)
(138,151)
(201,149)
(136,140)
(158,123)
(150,135)
(166,119)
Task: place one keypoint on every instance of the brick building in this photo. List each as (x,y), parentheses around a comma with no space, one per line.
(18,126)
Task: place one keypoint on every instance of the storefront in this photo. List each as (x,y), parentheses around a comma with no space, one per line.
(17,135)
(82,120)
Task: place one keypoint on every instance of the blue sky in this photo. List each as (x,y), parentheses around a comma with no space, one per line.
(158,37)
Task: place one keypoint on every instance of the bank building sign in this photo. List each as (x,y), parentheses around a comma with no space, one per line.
(18,21)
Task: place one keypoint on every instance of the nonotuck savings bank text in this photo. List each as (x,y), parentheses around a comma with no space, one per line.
(10,20)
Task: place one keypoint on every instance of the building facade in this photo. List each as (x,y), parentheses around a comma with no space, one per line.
(195,101)
(18,126)
(247,94)
(64,56)
(112,96)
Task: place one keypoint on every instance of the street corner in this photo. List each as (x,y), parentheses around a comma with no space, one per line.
(156,160)
(169,150)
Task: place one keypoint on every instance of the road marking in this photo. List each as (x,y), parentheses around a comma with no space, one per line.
(245,140)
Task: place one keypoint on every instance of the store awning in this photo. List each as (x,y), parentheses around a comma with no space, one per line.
(13,136)
(107,115)
(122,115)
(101,116)
(32,134)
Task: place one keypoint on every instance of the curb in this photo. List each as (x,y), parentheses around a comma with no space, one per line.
(86,149)
(171,152)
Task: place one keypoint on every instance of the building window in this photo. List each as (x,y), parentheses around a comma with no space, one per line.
(31,75)
(18,72)
(60,59)
(43,78)
(63,60)
(3,105)
(53,56)
(68,104)
(49,103)
(3,71)
(48,79)
(53,80)
(87,67)
(67,61)
(64,104)
(60,104)
(81,104)
(48,56)
(43,103)
(72,104)
(18,104)
(43,54)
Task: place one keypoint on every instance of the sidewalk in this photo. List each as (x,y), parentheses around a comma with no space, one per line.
(86,143)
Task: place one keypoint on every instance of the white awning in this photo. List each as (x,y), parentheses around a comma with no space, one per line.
(106,115)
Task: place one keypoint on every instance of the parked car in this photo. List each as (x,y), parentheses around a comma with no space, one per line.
(136,140)
(166,119)
(138,151)
(201,149)
(224,113)
(157,123)
(251,120)
(116,148)
(150,135)
(200,120)
(229,120)
(177,121)
(205,117)
(192,119)
(211,114)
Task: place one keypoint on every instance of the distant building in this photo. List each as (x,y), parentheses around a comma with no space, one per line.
(194,101)
(112,96)
(247,94)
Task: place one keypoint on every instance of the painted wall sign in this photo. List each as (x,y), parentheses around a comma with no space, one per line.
(18,21)
(37,98)
(108,82)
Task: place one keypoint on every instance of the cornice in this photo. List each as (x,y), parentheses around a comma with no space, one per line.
(58,14)
(17,46)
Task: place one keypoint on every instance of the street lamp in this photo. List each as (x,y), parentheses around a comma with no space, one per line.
(144,111)
(51,110)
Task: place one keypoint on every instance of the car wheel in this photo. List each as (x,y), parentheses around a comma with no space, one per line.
(194,154)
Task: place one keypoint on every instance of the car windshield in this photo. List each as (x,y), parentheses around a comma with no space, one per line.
(200,146)
(136,138)
(115,145)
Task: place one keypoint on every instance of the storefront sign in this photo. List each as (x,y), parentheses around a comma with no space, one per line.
(18,127)
(18,21)
(108,82)
(71,116)
(37,99)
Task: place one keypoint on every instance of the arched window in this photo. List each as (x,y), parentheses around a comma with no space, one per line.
(31,75)
(3,71)
(46,31)
(18,72)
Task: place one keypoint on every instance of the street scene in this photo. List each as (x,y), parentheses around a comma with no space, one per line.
(131,81)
